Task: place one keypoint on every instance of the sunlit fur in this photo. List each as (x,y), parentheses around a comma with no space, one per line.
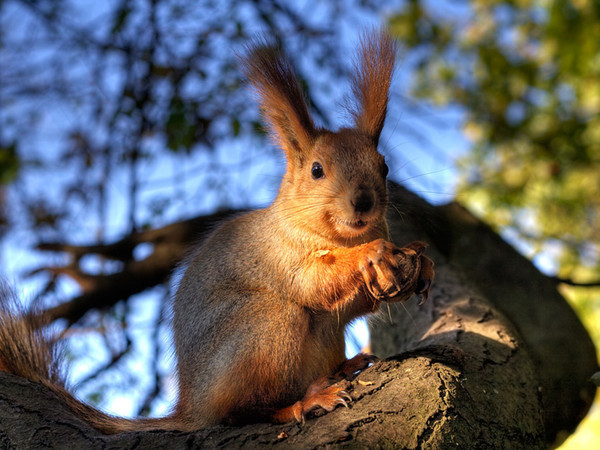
(260,312)
(323,207)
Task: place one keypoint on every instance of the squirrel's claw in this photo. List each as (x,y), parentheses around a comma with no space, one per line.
(317,396)
(396,273)
(426,276)
(345,398)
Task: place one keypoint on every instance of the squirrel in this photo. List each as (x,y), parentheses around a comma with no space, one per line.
(260,312)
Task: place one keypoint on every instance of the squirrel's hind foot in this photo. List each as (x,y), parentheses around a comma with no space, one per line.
(320,394)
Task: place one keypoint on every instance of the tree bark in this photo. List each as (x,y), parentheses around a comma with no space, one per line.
(543,324)
(488,361)
(464,382)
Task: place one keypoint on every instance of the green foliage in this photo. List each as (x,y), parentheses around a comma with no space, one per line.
(180,127)
(527,74)
(9,163)
(9,168)
(585,301)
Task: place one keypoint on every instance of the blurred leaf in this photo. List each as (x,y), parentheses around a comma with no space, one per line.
(120,17)
(527,75)
(9,163)
(180,128)
(235,127)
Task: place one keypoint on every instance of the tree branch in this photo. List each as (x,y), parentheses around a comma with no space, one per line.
(570,282)
(466,382)
(545,323)
(170,244)
(501,311)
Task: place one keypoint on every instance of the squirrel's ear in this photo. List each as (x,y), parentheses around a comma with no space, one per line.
(281,99)
(371,82)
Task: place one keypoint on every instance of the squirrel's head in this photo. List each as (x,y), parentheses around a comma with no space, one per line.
(335,182)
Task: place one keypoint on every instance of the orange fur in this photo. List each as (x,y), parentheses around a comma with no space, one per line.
(260,312)
(371,83)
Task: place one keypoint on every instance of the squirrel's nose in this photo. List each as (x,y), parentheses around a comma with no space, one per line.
(362,202)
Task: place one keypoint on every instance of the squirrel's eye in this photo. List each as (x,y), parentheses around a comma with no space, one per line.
(317,170)
(385,170)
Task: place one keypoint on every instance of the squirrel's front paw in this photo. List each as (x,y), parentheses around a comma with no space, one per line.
(379,266)
(392,272)
(417,271)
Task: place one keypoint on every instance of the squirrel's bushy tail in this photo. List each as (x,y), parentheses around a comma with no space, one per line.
(27,350)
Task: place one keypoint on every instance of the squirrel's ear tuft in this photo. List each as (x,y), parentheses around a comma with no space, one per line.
(371,82)
(281,100)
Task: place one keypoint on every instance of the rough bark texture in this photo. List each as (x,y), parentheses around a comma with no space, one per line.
(488,361)
(560,349)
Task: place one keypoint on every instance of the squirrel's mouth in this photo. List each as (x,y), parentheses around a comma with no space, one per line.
(358,225)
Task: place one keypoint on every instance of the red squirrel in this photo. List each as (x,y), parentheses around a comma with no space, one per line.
(261,309)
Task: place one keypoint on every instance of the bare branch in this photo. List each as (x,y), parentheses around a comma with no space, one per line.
(571,282)
(170,244)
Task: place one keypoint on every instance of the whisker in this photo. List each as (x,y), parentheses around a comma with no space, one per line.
(410,315)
